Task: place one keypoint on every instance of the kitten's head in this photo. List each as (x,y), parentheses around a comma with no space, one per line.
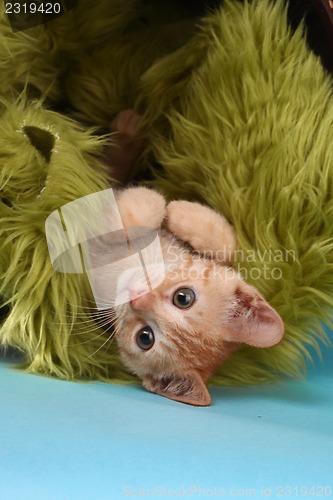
(174,337)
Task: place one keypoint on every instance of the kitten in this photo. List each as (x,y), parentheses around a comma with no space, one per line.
(175,335)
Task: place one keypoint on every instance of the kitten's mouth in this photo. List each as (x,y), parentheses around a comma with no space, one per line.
(138,281)
(120,313)
(132,280)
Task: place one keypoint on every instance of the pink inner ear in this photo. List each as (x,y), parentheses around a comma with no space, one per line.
(253,321)
(188,388)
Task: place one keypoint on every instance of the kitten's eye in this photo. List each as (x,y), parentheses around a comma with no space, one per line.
(145,338)
(183,298)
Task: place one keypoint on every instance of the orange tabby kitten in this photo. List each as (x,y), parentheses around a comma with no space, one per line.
(175,336)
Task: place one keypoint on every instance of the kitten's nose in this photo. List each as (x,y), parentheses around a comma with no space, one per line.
(137,299)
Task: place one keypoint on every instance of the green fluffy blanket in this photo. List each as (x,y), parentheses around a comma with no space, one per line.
(236,110)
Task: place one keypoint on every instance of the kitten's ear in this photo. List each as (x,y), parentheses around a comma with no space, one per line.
(189,389)
(253,321)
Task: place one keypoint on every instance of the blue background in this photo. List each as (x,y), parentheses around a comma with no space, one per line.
(62,440)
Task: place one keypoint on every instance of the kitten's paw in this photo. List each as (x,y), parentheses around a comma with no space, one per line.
(207,231)
(140,206)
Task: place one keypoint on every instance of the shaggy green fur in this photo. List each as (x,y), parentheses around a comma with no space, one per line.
(47,320)
(240,117)
(93,57)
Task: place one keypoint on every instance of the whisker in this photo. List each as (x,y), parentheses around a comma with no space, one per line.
(82,310)
(85,300)
(97,337)
(114,334)
(98,322)
(101,347)
(89,317)
(90,307)
(84,320)
(98,327)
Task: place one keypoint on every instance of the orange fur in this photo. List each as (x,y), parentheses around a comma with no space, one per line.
(189,343)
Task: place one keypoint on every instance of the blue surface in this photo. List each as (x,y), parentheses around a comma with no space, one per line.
(61,440)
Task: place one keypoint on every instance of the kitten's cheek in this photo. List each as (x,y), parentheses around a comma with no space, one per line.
(127,360)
